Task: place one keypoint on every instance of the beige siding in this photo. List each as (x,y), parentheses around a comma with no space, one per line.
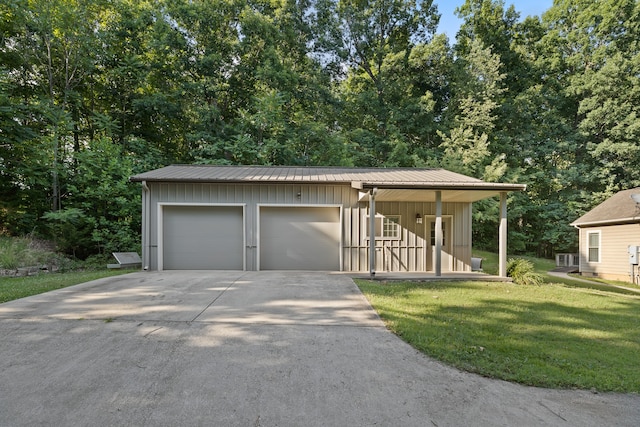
(409,253)
(614,258)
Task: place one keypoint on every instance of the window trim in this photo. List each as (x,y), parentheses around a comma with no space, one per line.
(598,247)
(382,221)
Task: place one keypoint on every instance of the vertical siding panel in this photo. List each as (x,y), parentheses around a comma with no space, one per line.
(409,253)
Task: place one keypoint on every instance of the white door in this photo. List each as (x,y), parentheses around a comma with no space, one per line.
(299,238)
(446,262)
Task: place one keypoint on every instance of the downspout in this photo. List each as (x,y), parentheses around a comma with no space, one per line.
(146,215)
(372,232)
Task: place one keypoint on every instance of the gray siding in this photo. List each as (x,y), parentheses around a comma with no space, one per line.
(406,254)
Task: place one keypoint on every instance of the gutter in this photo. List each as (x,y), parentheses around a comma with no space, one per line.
(634,220)
(146,235)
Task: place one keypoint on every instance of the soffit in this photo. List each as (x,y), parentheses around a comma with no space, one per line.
(418,195)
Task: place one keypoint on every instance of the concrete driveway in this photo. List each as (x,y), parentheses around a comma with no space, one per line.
(247,349)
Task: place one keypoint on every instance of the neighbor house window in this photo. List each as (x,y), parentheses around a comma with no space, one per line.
(593,246)
(387,227)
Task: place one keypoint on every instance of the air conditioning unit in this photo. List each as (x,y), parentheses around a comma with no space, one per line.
(634,254)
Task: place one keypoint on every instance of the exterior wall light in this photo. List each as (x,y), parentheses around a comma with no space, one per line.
(418,218)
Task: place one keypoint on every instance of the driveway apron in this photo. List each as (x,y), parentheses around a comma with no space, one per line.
(189,348)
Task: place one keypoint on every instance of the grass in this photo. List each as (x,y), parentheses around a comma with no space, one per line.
(490,262)
(564,334)
(555,335)
(12,288)
(18,252)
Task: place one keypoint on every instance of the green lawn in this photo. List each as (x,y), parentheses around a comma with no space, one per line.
(554,335)
(19,287)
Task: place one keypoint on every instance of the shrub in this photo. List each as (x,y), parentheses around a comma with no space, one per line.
(522,272)
(16,252)
(71,230)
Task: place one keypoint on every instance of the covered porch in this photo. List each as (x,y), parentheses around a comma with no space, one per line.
(372,193)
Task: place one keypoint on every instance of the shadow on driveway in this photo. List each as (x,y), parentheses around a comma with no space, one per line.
(247,349)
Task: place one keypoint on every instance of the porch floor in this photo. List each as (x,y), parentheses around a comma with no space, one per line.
(426,276)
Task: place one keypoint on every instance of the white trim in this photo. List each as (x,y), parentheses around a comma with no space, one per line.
(599,233)
(161,205)
(427,220)
(380,236)
(298,205)
(618,221)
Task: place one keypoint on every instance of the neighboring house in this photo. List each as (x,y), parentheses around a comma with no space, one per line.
(606,232)
(312,218)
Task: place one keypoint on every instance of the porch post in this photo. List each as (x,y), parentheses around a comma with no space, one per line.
(438,233)
(372,232)
(502,244)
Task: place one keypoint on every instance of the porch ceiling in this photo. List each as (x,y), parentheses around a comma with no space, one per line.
(421,195)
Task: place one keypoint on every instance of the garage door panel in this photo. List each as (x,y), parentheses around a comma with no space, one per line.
(203,238)
(300,238)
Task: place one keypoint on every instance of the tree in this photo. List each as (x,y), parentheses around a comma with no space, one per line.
(593,49)
(478,88)
(378,38)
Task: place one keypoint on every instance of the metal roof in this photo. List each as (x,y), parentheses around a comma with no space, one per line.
(618,209)
(362,178)
(394,184)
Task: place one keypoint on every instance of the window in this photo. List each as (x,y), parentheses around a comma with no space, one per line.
(433,233)
(593,246)
(387,227)
(391,227)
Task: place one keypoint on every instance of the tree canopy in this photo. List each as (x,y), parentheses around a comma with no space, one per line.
(92,92)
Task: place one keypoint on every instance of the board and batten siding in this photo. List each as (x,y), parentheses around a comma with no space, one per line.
(412,250)
(614,257)
(409,253)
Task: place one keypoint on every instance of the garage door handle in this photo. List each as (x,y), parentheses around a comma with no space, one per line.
(250,247)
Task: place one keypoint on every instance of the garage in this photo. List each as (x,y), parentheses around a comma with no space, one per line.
(300,238)
(311,218)
(202,237)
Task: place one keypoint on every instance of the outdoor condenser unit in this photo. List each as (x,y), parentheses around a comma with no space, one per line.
(633,254)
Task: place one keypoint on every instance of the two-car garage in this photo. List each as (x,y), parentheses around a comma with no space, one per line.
(215,237)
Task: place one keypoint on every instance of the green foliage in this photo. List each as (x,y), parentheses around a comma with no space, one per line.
(12,288)
(23,252)
(522,272)
(71,230)
(552,336)
(92,92)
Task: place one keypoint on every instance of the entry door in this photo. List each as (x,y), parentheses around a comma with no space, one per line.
(447,255)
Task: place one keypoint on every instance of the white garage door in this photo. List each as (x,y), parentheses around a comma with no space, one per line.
(300,238)
(202,238)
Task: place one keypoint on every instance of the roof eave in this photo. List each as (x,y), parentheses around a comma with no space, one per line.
(606,222)
(237,181)
(486,186)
